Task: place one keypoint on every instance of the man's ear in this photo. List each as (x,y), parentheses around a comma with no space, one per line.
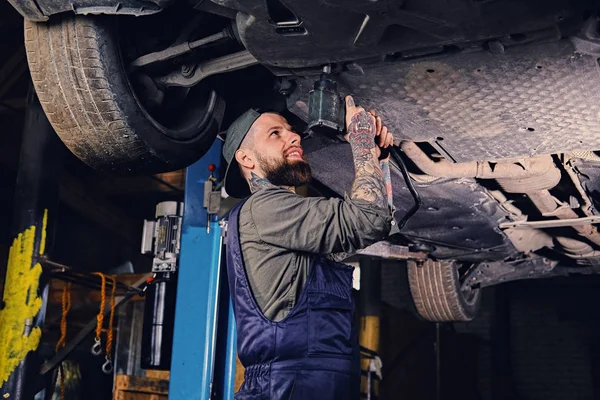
(245,159)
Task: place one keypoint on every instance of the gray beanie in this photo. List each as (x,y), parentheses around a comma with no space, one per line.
(235,184)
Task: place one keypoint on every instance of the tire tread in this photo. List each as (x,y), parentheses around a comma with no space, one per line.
(436,293)
(72,78)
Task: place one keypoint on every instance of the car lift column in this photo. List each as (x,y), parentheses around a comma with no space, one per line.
(201,367)
(370,316)
(26,288)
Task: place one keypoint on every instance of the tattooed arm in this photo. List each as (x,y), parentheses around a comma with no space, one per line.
(330,225)
(369,182)
(371,177)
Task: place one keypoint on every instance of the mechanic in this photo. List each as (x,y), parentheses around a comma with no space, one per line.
(293,303)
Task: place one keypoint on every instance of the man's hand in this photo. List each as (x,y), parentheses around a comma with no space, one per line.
(386,139)
(369,183)
(365,128)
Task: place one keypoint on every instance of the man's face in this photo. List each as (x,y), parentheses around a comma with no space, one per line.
(278,151)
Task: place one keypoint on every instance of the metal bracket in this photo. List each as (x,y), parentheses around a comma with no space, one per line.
(68,274)
(391,252)
(492,273)
(162,237)
(488,274)
(178,50)
(224,225)
(588,40)
(552,223)
(211,199)
(231,62)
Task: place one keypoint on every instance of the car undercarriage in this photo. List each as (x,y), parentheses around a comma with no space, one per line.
(492,105)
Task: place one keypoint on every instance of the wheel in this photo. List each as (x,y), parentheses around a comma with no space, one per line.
(79,72)
(436,291)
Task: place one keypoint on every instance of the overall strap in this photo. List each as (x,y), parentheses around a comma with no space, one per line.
(238,283)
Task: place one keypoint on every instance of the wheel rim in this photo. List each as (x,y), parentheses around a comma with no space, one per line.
(470,295)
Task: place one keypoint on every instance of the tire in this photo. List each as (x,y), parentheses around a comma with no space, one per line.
(437,294)
(79,75)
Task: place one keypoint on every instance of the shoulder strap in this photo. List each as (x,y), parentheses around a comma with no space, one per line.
(236,274)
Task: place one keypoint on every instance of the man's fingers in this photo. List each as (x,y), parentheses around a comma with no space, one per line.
(390,139)
(386,139)
(383,137)
(378,125)
(388,135)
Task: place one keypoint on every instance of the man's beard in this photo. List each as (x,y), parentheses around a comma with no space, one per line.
(284,172)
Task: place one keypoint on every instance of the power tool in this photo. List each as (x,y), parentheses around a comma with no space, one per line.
(327,109)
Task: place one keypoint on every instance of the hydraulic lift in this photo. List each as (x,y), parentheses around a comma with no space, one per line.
(204,340)
(203,353)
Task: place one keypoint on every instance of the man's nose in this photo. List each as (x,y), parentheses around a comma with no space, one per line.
(294,138)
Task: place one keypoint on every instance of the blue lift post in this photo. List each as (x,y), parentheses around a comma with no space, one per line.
(204,343)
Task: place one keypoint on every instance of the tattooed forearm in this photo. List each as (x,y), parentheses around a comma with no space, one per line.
(369,183)
(256,182)
(361,135)
(370,187)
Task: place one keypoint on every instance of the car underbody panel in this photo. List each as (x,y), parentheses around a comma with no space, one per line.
(295,34)
(457,218)
(524,101)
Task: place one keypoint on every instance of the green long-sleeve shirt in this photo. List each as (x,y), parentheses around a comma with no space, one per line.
(279,230)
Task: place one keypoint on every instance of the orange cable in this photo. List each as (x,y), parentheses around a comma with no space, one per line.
(109,334)
(62,342)
(100,316)
(66,307)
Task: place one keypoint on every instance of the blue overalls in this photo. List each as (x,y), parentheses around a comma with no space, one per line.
(313,353)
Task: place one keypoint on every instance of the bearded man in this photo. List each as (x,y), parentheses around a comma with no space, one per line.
(293,304)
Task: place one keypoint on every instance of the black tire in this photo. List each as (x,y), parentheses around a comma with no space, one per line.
(437,294)
(79,76)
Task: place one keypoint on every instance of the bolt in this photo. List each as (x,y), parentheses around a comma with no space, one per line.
(496,47)
(187,70)
(355,68)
